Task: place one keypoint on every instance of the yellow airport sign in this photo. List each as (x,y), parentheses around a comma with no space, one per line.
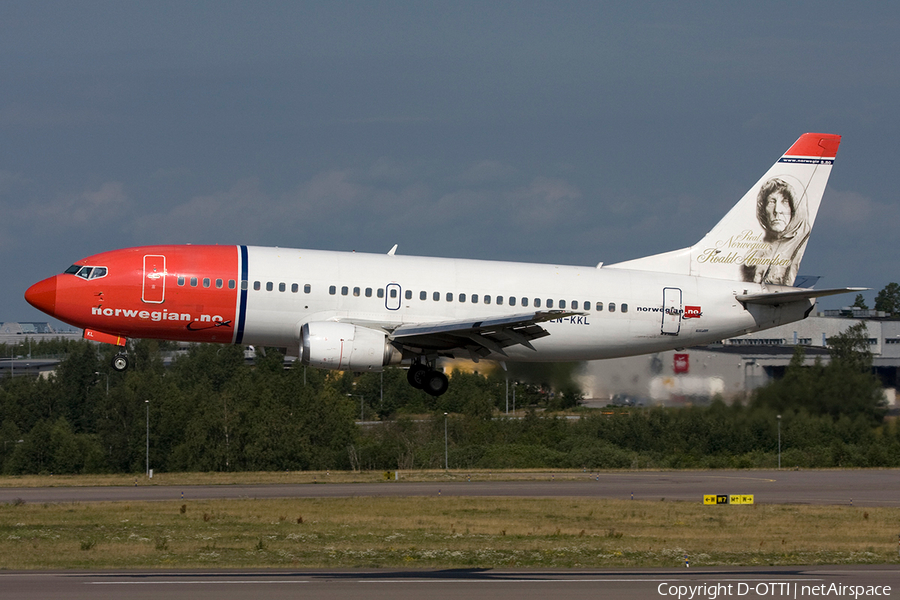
(711,499)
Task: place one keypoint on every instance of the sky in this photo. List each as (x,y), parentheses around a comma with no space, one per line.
(558,132)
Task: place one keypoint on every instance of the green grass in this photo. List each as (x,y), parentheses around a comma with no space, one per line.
(288,477)
(438,532)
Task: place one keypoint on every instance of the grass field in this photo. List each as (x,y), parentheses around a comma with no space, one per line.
(438,532)
(287,477)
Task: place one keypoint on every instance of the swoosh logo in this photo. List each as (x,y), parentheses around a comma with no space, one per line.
(213,325)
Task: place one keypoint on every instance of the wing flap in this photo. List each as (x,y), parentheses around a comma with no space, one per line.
(478,337)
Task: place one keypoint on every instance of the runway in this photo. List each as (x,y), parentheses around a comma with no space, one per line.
(752,583)
(873,487)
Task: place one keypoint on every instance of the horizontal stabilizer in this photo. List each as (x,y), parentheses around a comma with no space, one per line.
(793,295)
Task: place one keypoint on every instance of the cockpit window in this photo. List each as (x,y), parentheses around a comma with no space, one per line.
(87,272)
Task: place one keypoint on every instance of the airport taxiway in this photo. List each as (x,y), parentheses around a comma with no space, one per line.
(860,487)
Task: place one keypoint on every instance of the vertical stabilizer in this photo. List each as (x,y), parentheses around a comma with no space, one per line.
(763,237)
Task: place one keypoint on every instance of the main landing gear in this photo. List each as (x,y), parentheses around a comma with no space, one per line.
(120,362)
(427,379)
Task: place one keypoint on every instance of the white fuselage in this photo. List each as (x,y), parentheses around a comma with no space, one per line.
(387,291)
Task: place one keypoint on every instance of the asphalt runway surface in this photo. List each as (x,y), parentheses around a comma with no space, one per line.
(472,584)
(874,487)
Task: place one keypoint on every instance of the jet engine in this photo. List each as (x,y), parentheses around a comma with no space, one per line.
(345,347)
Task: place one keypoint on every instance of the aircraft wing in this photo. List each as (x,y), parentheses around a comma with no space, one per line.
(793,295)
(479,337)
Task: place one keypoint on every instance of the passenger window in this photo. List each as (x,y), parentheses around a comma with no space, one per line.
(574,304)
(393,292)
(282,287)
(232,284)
(562,303)
(344,290)
(537,302)
(180,280)
(612,307)
(219,284)
(499,300)
(549,303)
(599,307)
(462,297)
(380,292)
(474,298)
(295,287)
(423,295)
(194,282)
(436,296)
(244,284)
(269,285)
(512,300)
(332,290)
(368,292)
(524,301)
(356,291)
(624,307)
(256,284)
(206,282)
(449,296)
(487,299)
(587,305)
(307,288)
(408,294)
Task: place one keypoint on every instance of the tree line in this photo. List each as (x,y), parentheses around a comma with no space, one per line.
(211,410)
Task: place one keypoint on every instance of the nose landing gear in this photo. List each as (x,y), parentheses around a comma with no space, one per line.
(120,362)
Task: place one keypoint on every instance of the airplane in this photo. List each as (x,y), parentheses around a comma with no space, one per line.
(363,311)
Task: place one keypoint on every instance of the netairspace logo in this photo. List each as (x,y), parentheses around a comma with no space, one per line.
(779,589)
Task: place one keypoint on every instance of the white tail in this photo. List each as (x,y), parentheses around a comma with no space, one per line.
(762,238)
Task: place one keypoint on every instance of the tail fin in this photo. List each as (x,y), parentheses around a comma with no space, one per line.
(762,238)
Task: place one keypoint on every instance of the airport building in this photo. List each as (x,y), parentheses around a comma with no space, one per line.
(738,365)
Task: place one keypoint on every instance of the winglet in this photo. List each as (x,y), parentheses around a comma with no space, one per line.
(392,250)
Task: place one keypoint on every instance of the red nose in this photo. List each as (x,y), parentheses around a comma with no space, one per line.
(42,295)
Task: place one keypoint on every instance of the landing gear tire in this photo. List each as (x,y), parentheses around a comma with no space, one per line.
(120,362)
(436,383)
(416,376)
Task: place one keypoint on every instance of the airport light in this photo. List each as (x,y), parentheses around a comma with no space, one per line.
(779,441)
(107,380)
(147,405)
(361,406)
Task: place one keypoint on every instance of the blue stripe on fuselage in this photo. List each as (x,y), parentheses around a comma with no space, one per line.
(242,311)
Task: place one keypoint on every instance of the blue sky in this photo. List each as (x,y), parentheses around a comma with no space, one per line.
(566,132)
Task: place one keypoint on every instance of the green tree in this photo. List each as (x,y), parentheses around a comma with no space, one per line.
(888,299)
(846,386)
(860,302)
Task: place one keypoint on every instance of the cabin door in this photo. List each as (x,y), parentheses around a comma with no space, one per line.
(154,288)
(671,319)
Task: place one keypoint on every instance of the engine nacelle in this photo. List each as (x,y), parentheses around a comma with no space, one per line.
(345,347)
